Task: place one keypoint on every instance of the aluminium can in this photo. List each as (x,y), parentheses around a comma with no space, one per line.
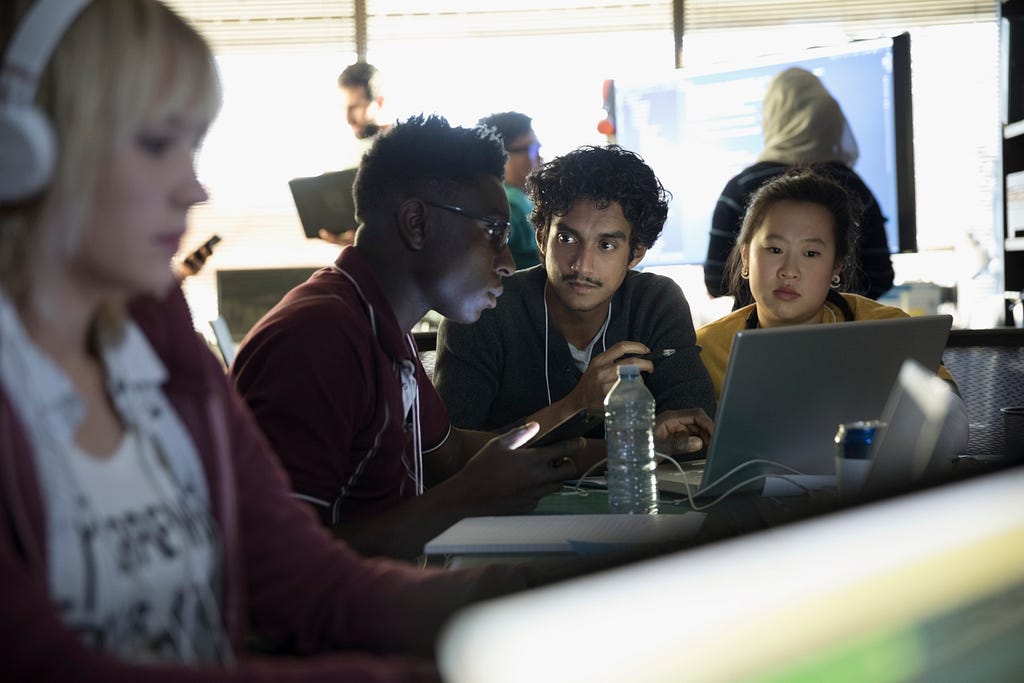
(854,440)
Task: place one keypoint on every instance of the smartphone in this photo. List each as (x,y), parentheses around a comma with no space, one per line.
(577,424)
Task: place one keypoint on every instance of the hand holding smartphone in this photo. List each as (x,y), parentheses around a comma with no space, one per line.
(576,425)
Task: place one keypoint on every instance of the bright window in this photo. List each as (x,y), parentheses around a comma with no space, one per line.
(283,113)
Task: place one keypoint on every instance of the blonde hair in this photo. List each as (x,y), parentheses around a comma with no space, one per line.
(121,64)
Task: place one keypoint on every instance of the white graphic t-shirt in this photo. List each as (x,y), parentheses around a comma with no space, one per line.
(148,564)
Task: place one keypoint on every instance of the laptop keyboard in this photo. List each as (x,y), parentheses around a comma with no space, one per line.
(670,479)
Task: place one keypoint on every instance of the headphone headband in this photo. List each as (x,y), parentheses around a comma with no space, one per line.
(26,137)
(32,45)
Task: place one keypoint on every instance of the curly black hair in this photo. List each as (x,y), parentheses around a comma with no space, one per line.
(808,183)
(605,175)
(424,153)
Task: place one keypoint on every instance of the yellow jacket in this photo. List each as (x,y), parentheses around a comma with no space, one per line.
(716,337)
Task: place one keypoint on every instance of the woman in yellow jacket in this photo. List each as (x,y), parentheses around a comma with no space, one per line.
(796,249)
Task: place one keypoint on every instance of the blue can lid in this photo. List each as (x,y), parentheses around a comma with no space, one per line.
(862,431)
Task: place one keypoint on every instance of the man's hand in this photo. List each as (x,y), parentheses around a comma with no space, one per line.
(503,478)
(342,239)
(602,373)
(682,431)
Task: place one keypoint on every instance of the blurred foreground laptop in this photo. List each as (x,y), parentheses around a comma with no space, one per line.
(325,202)
(787,389)
(925,425)
(923,587)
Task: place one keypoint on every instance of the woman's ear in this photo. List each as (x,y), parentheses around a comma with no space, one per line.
(745,256)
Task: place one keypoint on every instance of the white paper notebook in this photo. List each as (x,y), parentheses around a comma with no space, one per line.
(561,533)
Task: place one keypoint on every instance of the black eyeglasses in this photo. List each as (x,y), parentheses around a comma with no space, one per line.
(497,231)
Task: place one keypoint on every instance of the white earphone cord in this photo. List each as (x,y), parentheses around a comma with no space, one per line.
(689,493)
(604,339)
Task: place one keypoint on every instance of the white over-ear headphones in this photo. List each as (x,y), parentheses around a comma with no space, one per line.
(28,146)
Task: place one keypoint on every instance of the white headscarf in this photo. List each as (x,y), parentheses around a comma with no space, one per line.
(802,123)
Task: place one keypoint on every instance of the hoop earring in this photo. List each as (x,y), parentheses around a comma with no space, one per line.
(745,274)
(836,281)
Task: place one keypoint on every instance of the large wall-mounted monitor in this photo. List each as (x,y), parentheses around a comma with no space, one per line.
(699,128)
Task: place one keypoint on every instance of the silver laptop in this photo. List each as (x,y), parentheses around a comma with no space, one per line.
(787,389)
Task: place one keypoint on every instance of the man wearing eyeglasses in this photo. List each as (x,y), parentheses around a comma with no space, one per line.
(516,132)
(551,346)
(332,374)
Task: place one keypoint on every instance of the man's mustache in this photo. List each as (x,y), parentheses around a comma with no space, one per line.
(584,280)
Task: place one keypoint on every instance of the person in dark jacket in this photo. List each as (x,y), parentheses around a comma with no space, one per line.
(803,125)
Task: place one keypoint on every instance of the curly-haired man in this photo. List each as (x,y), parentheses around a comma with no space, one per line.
(552,344)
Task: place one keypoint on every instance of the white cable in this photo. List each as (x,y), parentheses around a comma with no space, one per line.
(604,339)
(547,382)
(577,489)
(756,461)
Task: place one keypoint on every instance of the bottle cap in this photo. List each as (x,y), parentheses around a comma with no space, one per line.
(629,370)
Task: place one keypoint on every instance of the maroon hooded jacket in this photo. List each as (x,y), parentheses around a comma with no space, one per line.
(285,578)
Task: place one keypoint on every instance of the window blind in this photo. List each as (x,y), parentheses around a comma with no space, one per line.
(392,20)
(236,24)
(855,16)
(232,24)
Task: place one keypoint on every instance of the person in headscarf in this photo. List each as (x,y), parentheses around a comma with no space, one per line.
(802,125)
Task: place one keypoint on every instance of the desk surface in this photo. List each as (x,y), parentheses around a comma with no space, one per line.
(736,515)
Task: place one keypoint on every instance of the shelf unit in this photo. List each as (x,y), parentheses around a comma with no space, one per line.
(1012,95)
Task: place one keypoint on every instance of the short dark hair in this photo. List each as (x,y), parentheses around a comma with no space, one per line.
(424,153)
(509,125)
(605,175)
(362,75)
(801,184)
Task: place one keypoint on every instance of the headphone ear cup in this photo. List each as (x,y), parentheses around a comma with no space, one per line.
(30,152)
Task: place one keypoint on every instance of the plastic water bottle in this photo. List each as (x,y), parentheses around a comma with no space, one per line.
(629,438)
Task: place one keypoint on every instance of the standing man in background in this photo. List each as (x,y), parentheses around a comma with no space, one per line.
(516,132)
(361,87)
(363,96)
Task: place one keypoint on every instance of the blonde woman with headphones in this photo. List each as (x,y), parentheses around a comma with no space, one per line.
(145,527)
